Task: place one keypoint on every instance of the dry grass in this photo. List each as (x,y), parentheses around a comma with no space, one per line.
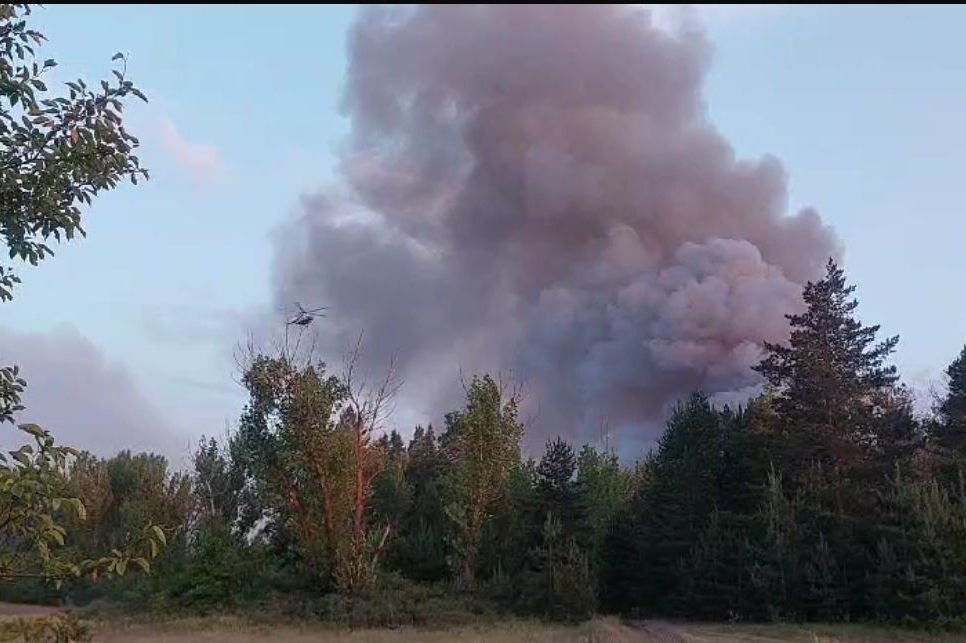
(605,630)
(226,630)
(815,633)
(256,628)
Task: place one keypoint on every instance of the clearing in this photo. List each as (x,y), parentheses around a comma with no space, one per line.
(232,629)
(604,630)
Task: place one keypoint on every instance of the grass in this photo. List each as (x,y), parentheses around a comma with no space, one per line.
(236,630)
(256,625)
(601,630)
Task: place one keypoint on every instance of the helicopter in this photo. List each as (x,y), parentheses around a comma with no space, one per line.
(304,316)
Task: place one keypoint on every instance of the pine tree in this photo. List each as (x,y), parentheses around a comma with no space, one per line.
(559,584)
(557,487)
(670,514)
(831,377)
(421,547)
(716,577)
(919,574)
(899,435)
(603,489)
(745,458)
(514,530)
(390,494)
(950,433)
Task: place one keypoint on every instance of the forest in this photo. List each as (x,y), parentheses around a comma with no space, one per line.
(829,496)
(825,498)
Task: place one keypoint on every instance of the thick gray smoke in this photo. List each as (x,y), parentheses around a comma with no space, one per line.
(84,399)
(538,189)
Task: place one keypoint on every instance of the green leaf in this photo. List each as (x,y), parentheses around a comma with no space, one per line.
(79,508)
(32,429)
(53,534)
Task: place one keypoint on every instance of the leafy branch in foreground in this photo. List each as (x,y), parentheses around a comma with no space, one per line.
(33,510)
(57,152)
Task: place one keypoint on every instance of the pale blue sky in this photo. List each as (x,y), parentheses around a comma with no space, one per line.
(864,106)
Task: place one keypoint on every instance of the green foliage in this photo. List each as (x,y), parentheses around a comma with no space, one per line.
(816,501)
(483,442)
(218,572)
(556,486)
(604,488)
(390,493)
(672,510)
(831,377)
(219,483)
(948,430)
(36,510)
(419,546)
(57,152)
(309,448)
(59,628)
(718,578)
(559,583)
(295,455)
(11,388)
(512,532)
(919,575)
(395,602)
(952,409)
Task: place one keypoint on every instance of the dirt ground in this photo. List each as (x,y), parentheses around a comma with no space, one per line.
(603,630)
(503,633)
(598,631)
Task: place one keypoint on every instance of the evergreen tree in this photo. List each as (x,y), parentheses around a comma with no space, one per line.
(952,411)
(670,514)
(950,430)
(557,487)
(716,578)
(513,532)
(420,546)
(899,435)
(603,488)
(920,568)
(390,492)
(831,377)
(746,454)
(559,583)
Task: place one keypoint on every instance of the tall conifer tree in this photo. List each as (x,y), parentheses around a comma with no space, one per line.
(832,378)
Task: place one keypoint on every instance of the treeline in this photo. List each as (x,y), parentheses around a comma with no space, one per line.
(824,498)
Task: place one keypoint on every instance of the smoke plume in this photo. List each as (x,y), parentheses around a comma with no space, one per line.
(538,190)
(84,399)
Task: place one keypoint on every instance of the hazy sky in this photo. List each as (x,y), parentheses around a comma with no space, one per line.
(863,105)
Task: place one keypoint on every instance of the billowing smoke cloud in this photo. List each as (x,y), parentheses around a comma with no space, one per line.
(82,398)
(538,189)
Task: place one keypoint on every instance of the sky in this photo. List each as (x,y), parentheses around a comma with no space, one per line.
(127,336)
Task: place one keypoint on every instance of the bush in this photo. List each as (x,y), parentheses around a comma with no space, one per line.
(396,602)
(558,584)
